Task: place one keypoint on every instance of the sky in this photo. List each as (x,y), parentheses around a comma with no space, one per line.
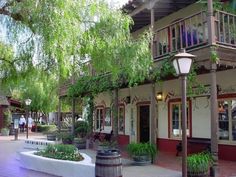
(117,3)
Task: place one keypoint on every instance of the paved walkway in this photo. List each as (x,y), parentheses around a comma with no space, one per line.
(10,164)
(9,161)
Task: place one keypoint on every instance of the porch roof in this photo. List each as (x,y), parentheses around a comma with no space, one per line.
(140,13)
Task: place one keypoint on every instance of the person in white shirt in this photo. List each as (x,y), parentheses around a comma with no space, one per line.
(22,123)
(30,122)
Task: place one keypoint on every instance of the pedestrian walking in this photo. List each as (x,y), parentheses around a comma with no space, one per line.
(22,123)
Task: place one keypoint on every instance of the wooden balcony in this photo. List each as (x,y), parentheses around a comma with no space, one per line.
(192,33)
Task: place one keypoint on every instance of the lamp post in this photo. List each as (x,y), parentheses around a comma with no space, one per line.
(182,63)
(27,102)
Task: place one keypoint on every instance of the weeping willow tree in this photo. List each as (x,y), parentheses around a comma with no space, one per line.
(47,34)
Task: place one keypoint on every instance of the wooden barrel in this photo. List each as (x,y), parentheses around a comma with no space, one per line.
(108,164)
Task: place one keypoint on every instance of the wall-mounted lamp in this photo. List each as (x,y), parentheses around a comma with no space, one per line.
(159,96)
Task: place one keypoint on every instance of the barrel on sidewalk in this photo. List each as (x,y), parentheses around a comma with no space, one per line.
(108,164)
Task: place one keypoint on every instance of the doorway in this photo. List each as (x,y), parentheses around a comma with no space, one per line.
(143,123)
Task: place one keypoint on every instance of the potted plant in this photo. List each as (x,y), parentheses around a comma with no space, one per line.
(142,153)
(67,138)
(198,164)
(6,122)
(106,145)
(51,133)
(81,131)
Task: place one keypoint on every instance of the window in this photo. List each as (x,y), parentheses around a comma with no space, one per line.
(108,117)
(175,120)
(121,122)
(227,120)
(99,118)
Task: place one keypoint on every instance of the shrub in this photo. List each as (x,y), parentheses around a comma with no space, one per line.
(7,118)
(67,138)
(142,149)
(61,151)
(199,163)
(81,129)
(46,128)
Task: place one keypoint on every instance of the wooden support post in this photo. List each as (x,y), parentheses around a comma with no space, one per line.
(214,111)
(153,115)
(115,114)
(214,121)
(59,115)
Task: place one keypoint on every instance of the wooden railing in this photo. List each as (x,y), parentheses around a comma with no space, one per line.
(192,32)
(225,28)
(184,33)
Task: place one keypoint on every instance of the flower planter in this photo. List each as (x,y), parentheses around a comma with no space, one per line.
(51,137)
(142,160)
(5,132)
(197,174)
(80,143)
(63,168)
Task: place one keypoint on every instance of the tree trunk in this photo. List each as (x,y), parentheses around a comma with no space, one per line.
(90,114)
(73,116)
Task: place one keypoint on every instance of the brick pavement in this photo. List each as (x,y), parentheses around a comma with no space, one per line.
(167,164)
(9,162)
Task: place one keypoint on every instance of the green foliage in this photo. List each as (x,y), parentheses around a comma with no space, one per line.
(91,85)
(81,128)
(214,56)
(199,163)
(113,50)
(67,138)
(46,128)
(90,110)
(219,5)
(108,144)
(6,53)
(39,86)
(164,69)
(7,118)
(62,152)
(139,149)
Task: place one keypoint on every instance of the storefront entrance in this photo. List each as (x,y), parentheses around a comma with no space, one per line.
(143,123)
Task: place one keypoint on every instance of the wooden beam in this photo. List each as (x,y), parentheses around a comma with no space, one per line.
(147,5)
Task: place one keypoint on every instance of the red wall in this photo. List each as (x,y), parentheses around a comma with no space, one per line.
(167,145)
(123,140)
(226,152)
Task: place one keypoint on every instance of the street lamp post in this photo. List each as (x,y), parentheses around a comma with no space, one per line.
(27,102)
(182,63)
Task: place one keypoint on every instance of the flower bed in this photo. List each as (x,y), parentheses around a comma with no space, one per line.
(61,151)
(57,167)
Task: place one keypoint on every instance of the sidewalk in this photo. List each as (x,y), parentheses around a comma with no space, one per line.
(167,165)
(130,170)
(10,164)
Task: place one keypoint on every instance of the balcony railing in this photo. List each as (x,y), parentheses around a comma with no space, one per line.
(192,32)
(225,28)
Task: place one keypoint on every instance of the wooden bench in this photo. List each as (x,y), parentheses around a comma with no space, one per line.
(191,142)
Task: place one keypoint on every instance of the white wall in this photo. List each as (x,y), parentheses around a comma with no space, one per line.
(200,105)
(201,117)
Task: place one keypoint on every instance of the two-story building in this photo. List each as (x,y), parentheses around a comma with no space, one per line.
(152,111)
(180,24)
